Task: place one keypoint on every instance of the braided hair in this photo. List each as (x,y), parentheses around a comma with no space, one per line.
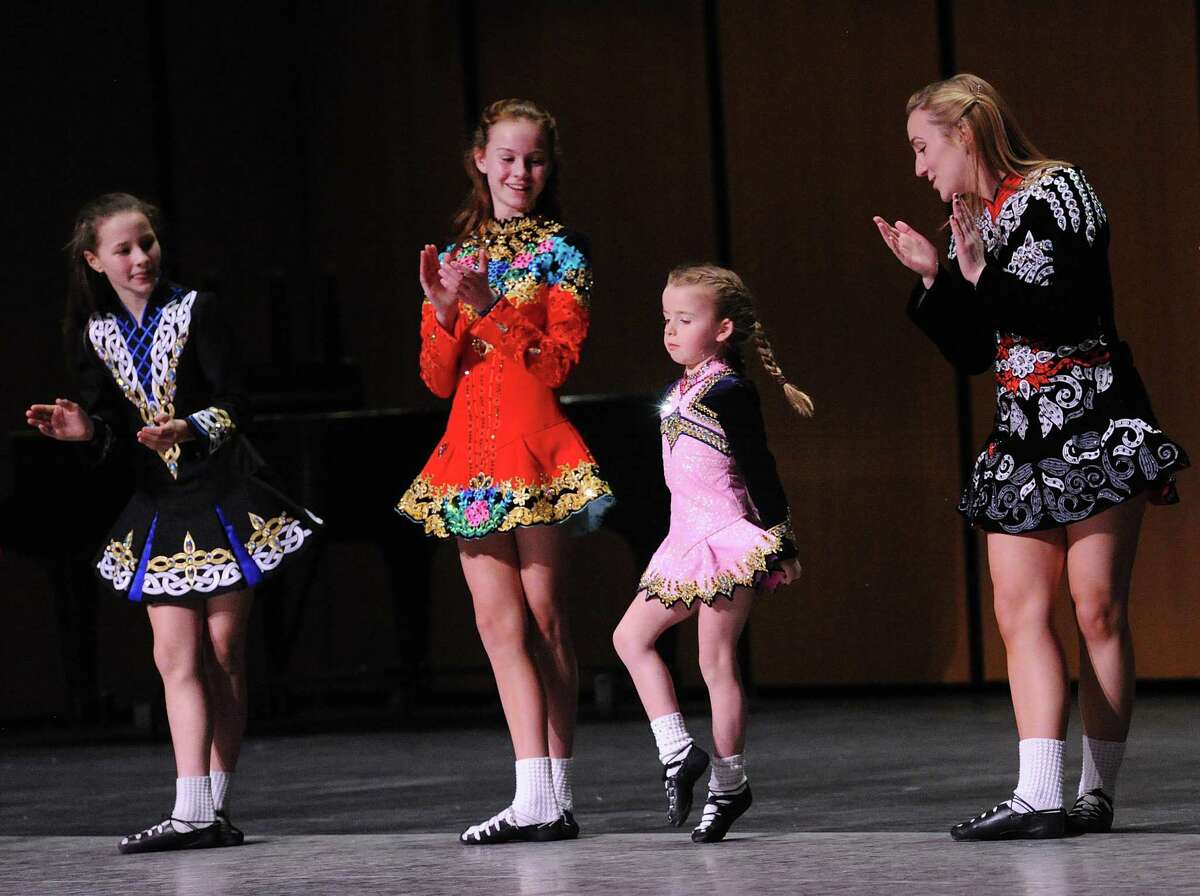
(735,303)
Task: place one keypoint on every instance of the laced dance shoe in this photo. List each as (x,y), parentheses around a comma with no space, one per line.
(163,836)
(721,810)
(503,828)
(1003,822)
(679,778)
(1091,814)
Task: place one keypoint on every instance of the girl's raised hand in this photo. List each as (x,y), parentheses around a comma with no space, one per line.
(472,284)
(445,304)
(165,433)
(914,251)
(968,241)
(64,420)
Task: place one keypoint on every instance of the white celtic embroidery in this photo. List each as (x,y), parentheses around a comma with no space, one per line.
(170,337)
(1069,196)
(216,424)
(1031,261)
(194,569)
(274,539)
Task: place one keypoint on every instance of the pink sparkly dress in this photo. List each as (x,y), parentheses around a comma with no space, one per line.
(730,524)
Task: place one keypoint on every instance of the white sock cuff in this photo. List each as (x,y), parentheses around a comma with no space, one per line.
(220,789)
(193,799)
(1040,782)
(561,770)
(670,735)
(534,802)
(1101,762)
(727,773)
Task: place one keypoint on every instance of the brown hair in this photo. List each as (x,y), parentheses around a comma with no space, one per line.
(735,303)
(87,290)
(477,207)
(999,144)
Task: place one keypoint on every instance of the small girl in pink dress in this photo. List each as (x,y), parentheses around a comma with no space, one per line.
(730,536)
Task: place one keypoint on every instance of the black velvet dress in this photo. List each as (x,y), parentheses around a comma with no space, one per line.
(1074,432)
(201,521)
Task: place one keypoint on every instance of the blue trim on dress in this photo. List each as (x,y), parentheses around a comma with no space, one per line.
(135,587)
(250,571)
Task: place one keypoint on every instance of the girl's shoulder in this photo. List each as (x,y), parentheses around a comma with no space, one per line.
(1061,193)
(733,385)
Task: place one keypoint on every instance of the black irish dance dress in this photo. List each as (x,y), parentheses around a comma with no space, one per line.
(200,521)
(1074,432)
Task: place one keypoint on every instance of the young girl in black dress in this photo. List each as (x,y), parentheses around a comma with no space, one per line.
(161,390)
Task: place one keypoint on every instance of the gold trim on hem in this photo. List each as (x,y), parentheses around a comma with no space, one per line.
(512,503)
(672,591)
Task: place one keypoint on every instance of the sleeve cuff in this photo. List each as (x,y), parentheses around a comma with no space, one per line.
(198,431)
(213,426)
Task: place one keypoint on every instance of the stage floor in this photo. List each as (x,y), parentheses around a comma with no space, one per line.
(851,796)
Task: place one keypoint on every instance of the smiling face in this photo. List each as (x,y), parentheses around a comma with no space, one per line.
(128,254)
(691,332)
(942,157)
(516,164)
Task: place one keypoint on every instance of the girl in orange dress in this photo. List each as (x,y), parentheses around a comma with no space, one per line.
(505,314)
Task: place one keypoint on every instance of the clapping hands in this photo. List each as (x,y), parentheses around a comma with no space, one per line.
(446,283)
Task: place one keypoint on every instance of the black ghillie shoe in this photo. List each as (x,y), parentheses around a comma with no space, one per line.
(503,828)
(163,836)
(570,825)
(1091,814)
(227,834)
(721,810)
(679,778)
(1003,822)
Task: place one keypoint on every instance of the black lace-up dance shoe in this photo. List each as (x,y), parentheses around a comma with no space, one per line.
(721,810)
(1091,814)
(1003,822)
(570,825)
(503,828)
(163,836)
(679,778)
(227,833)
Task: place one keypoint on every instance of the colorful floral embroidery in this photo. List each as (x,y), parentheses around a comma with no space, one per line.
(1064,382)
(523,254)
(484,506)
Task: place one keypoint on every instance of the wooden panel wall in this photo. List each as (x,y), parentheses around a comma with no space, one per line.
(296,140)
(816,147)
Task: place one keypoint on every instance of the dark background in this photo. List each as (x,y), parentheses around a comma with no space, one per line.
(303,152)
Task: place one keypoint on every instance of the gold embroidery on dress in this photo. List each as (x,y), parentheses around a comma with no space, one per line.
(189,561)
(743,574)
(170,337)
(533,503)
(675,424)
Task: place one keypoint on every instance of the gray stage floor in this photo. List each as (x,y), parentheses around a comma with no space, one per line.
(851,796)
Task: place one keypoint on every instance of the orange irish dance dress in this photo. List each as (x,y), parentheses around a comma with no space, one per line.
(509,456)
